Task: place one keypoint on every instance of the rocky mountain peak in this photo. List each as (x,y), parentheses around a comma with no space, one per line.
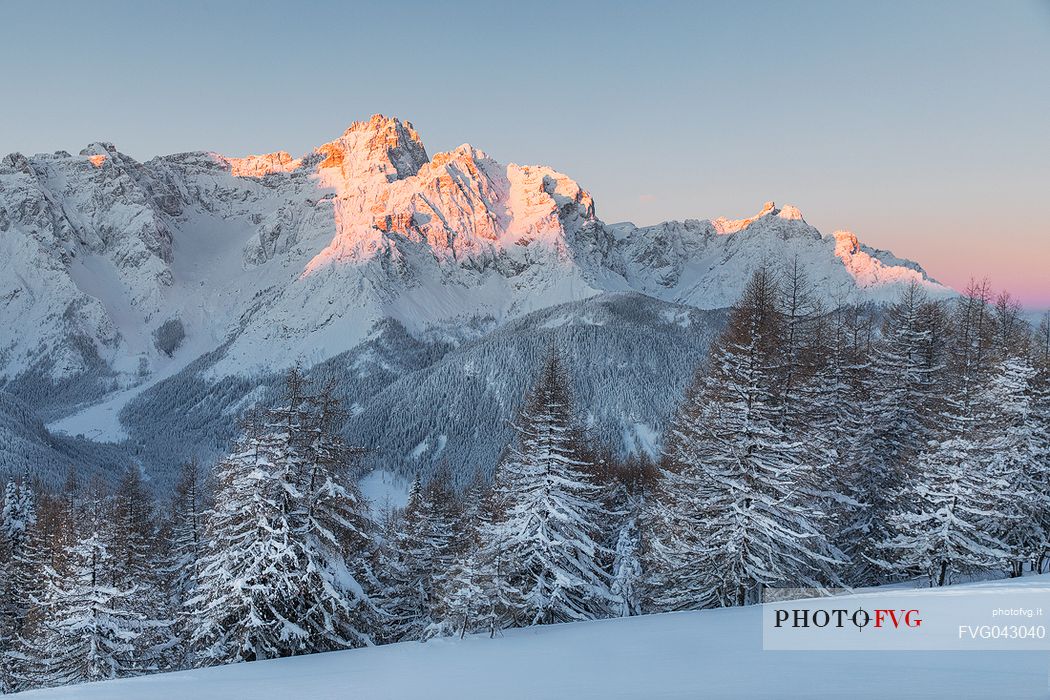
(383,147)
(846,243)
(263,165)
(787,213)
(463,151)
(99,148)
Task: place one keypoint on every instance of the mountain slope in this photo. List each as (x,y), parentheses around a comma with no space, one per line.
(420,404)
(26,445)
(707,654)
(616,347)
(302,256)
(125,278)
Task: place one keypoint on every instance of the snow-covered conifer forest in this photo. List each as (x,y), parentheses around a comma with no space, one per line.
(812,446)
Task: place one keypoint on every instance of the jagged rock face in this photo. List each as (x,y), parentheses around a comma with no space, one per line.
(387,149)
(279,259)
(261,166)
(73,224)
(705,263)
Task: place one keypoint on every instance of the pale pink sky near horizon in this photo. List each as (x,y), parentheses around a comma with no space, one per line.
(923,128)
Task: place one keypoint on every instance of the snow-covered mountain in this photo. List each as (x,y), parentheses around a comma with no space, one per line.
(118,276)
(297,258)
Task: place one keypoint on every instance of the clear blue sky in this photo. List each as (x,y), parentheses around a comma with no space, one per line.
(924,127)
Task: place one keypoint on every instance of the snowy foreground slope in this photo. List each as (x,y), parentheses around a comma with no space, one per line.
(708,654)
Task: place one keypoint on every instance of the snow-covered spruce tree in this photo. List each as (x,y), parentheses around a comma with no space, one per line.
(277,575)
(138,562)
(466,607)
(88,627)
(747,483)
(948,526)
(464,601)
(48,541)
(45,556)
(903,393)
(553,512)
(426,548)
(818,370)
(624,483)
(338,531)
(834,427)
(7,604)
(59,525)
(627,564)
(494,561)
(392,607)
(1016,450)
(1040,417)
(17,516)
(134,528)
(948,523)
(1012,332)
(247,597)
(19,580)
(820,366)
(183,533)
(800,311)
(973,337)
(671,544)
(19,558)
(627,483)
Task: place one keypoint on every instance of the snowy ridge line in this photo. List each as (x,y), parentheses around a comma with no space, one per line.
(302,256)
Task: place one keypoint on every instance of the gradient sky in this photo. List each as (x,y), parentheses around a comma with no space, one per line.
(922,127)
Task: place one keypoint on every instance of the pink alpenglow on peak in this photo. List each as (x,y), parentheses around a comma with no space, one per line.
(461,205)
(789,212)
(383,148)
(846,244)
(869,271)
(263,165)
(99,152)
(314,250)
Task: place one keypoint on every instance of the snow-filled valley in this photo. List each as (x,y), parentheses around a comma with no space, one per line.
(713,654)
